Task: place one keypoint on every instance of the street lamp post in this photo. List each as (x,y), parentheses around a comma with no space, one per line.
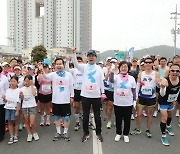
(175,31)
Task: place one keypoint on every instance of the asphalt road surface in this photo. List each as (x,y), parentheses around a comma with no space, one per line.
(139,144)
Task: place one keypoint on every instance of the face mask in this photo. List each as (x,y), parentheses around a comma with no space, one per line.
(123,77)
(90,66)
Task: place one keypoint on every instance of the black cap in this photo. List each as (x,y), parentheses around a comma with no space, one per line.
(93,52)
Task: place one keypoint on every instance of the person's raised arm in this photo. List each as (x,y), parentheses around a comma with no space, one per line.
(80,67)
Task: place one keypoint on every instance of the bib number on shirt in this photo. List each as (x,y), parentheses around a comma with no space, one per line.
(91,87)
(172,97)
(61,83)
(122,92)
(146,90)
(46,88)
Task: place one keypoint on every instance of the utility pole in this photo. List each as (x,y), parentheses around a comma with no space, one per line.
(175,31)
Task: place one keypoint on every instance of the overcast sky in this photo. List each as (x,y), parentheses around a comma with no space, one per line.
(122,24)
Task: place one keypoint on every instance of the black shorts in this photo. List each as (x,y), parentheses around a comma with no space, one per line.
(77,95)
(61,109)
(109,95)
(45,98)
(149,102)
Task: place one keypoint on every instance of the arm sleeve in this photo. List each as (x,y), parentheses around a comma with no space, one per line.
(80,67)
(67,66)
(48,76)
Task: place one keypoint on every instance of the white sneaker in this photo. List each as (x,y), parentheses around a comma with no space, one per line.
(108,126)
(177,113)
(126,139)
(35,136)
(155,114)
(117,138)
(29,138)
(132,116)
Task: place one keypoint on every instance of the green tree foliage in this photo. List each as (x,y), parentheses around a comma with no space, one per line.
(38,53)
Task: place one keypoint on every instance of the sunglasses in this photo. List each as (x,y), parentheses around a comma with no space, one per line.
(148,62)
(177,71)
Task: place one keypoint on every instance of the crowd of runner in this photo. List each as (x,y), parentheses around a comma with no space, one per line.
(129,88)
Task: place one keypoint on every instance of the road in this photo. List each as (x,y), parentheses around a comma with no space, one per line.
(138,144)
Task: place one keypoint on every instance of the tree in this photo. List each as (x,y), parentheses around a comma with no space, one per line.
(38,53)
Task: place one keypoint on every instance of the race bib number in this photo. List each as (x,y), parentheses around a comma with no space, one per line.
(172,97)
(122,92)
(61,83)
(46,88)
(146,90)
(27,98)
(91,87)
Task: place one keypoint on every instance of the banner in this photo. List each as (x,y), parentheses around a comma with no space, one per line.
(130,53)
(119,55)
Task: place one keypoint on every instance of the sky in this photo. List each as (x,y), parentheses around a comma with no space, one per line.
(122,24)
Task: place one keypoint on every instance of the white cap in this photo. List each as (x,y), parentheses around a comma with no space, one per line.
(17,67)
(101,62)
(5,63)
(108,58)
(142,63)
(30,67)
(114,60)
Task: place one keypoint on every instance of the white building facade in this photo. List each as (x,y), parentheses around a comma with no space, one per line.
(52,23)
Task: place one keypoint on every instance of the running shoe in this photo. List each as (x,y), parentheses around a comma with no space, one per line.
(169,130)
(132,117)
(77,126)
(20,127)
(85,137)
(66,137)
(155,114)
(108,126)
(42,122)
(36,136)
(126,139)
(57,137)
(117,138)
(29,138)
(136,131)
(10,140)
(15,138)
(100,138)
(48,122)
(164,140)
(148,133)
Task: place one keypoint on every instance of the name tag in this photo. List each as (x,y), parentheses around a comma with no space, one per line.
(91,87)
(46,88)
(146,90)
(122,92)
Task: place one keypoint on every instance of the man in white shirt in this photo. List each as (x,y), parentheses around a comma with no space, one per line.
(92,88)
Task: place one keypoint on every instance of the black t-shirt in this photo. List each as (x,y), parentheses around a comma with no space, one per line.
(171,95)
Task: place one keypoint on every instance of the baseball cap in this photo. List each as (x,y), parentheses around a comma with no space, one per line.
(113,60)
(135,59)
(93,52)
(30,67)
(108,58)
(17,67)
(5,63)
(100,62)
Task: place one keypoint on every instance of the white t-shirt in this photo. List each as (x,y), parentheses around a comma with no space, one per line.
(4,85)
(78,78)
(29,99)
(123,95)
(92,85)
(62,87)
(12,97)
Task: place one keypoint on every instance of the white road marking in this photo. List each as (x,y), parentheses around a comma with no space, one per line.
(97,146)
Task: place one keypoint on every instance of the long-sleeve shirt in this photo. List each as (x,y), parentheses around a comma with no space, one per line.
(92,84)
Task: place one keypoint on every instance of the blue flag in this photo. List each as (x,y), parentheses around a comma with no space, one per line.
(130,53)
